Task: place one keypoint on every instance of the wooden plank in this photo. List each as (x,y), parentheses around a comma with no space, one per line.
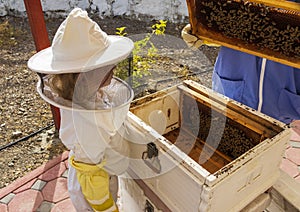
(239,45)
(223,156)
(191,7)
(237,117)
(235,106)
(288,5)
(37,24)
(213,163)
(41,40)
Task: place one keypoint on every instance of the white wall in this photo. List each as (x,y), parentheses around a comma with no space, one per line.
(172,10)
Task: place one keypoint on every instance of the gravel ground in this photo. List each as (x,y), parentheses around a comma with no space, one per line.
(24,144)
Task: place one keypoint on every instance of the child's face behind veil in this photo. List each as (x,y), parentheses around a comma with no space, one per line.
(64,84)
(84,85)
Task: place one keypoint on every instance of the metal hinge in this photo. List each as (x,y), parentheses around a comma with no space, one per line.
(150,157)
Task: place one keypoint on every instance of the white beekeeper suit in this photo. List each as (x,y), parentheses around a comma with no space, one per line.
(93,124)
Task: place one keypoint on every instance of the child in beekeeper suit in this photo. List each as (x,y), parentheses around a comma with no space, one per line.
(78,78)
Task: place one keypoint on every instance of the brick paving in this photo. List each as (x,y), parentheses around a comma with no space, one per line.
(291,159)
(42,190)
(45,188)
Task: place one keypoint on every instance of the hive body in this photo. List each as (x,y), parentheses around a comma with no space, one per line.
(215,154)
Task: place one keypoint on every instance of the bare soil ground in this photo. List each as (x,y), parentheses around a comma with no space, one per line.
(23,145)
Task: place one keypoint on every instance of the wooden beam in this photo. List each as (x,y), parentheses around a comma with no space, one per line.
(41,40)
(37,24)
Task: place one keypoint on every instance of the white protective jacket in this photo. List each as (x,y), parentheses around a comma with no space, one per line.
(94,135)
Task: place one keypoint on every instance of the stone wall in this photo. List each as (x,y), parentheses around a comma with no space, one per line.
(172,10)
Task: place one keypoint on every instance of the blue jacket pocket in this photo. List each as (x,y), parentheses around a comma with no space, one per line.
(231,88)
(289,106)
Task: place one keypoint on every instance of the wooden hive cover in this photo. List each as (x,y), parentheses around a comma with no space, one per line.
(265,28)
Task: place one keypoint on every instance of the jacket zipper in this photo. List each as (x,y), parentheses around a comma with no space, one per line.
(261,84)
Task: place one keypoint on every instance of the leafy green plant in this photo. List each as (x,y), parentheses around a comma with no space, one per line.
(143,55)
(121,31)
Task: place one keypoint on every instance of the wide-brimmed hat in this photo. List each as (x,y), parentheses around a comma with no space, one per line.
(80,45)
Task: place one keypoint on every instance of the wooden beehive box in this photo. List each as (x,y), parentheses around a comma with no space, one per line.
(215,154)
(266,28)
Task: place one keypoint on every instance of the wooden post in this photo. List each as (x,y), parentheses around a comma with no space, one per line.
(41,39)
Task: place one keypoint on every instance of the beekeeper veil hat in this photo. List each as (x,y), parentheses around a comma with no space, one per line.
(80,45)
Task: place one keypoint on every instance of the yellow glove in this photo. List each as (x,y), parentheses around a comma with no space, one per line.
(94,182)
(192,40)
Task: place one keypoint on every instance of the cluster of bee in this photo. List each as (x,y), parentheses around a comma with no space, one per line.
(217,132)
(265,27)
(234,142)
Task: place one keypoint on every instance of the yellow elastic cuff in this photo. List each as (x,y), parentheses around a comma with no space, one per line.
(84,167)
(94,182)
(108,205)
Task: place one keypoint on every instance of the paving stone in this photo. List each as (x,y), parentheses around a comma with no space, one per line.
(35,173)
(3,208)
(67,163)
(56,190)
(295,144)
(54,172)
(28,200)
(65,205)
(7,198)
(46,207)
(294,136)
(289,167)
(65,174)
(17,184)
(25,187)
(38,185)
(293,154)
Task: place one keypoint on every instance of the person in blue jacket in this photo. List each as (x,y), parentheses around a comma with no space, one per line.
(265,85)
